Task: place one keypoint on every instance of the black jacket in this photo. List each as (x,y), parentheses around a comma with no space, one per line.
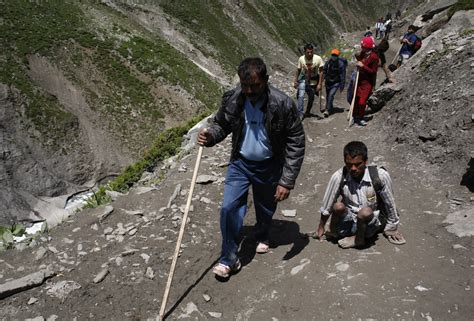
(284,128)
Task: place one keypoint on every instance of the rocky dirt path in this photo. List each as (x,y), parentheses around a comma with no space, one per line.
(111,263)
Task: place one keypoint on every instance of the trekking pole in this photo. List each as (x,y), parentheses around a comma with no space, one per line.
(349,115)
(321,98)
(180,236)
(398,53)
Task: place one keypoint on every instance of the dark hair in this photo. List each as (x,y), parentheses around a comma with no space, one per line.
(412,27)
(354,149)
(383,45)
(308,46)
(251,65)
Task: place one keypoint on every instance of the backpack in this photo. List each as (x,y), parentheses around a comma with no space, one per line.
(374,177)
(376,184)
(332,73)
(417,44)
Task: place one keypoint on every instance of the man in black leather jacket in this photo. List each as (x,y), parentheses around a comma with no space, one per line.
(268,144)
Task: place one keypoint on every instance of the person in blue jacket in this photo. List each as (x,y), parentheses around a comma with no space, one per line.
(408,44)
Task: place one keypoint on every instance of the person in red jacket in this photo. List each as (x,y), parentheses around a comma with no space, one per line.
(368,62)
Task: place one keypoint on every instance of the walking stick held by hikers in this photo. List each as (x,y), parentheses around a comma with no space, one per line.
(349,115)
(321,98)
(398,53)
(180,236)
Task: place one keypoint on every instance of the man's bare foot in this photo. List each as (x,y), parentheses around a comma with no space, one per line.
(350,242)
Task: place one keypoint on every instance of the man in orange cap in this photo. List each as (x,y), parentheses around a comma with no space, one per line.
(334,73)
(368,62)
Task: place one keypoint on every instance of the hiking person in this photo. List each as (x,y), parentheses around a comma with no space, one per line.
(367,205)
(308,79)
(367,62)
(382,29)
(388,28)
(334,75)
(377,28)
(381,48)
(268,144)
(408,42)
(398,14)
(368,32)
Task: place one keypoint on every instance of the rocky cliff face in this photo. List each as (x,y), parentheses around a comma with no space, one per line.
(428,111)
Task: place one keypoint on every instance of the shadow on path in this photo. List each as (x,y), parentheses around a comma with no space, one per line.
(282,232)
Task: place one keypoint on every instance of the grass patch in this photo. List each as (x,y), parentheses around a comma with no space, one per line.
(167,144)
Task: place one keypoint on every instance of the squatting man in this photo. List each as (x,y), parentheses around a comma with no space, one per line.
(367,205)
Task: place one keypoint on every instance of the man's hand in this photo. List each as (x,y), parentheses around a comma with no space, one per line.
(203,137)
(318,88)
(295,84)
(281,193)
(360,64)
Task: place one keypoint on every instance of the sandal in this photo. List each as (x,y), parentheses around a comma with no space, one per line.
(262,248)
(224,271)
(395,237)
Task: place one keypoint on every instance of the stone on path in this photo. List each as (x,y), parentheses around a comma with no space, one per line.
(206,297)
(27,282)
(216,315)
(136,212)
(113,194)
(62,289)
(149,273)
(462,222)
(145,257)
(300,267)
(289,213)
(101,276)
(206,179)
(173,196)
(107,211)
(40,253)
(32,301)
(40,318)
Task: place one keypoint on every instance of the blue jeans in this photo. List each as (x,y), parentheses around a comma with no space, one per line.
(302,89)
(330,93)
(263,176)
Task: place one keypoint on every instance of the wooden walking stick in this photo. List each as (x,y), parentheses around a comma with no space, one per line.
(180,236)
(398,53)
(321,98)
(349,115)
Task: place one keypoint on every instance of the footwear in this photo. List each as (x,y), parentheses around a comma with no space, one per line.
(307,115)
(362,122)
(326,114)
(224,271)
(262,248)
(395,237)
